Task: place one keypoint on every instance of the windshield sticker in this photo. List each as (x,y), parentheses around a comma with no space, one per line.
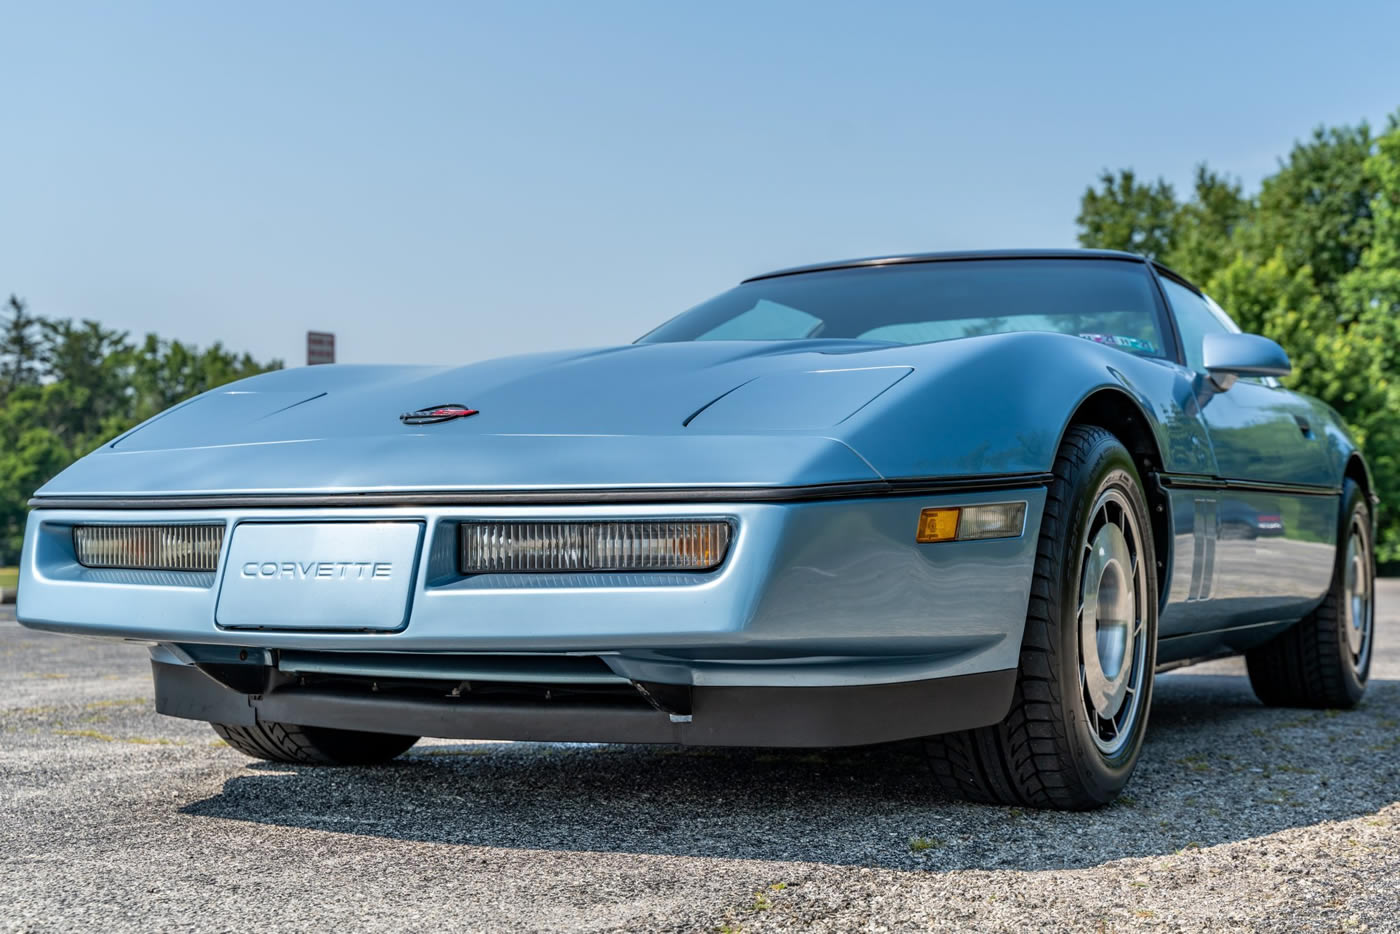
(1135,344)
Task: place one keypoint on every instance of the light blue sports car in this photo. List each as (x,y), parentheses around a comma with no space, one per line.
(975,497)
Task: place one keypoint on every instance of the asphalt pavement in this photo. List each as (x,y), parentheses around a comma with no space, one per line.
(114,818)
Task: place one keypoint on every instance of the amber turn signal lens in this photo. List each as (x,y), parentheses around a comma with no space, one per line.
(972,523)
(938,525)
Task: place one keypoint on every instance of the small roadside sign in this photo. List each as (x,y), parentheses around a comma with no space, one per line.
(320,347)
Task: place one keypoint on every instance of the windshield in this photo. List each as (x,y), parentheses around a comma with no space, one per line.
(1110,301)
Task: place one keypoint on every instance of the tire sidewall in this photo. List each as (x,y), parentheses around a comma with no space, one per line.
(1108,466)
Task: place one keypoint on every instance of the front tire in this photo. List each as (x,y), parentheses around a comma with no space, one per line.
(313,745)
(1084,682)
(1323,661)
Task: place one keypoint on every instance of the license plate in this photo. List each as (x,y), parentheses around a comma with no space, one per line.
(322,575)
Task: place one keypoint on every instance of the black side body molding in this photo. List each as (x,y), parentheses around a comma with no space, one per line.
(1192,482)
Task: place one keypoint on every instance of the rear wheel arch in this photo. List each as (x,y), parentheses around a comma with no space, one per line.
(1356,470)
(1117,412)
(1359,472)
(1324,660)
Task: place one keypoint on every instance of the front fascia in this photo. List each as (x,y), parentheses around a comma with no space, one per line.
(811,593)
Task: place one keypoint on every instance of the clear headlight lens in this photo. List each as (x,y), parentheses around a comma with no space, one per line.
(149,547)
(513,547)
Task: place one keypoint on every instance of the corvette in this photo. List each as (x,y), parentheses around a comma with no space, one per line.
(319,570)
(975,498)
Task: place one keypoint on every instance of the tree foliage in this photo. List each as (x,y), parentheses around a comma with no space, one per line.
(66,387)
(1123,214)
(1312,260)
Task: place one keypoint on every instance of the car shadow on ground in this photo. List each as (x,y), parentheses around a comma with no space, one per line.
(1217,767)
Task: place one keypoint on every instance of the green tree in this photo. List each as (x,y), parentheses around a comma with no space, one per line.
(66,387)
(166,372)
(1124,214)
(1204,227)
(1368,296)
(1317,206)
(19,348)
(87,368)
(1312,261)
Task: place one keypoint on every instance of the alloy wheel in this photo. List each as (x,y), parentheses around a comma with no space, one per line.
(1111,617)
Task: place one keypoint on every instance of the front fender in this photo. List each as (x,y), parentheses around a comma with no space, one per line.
(1000,405)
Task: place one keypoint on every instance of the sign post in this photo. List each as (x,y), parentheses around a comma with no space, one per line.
(320,347)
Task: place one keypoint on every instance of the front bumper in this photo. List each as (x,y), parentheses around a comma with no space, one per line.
(831,594)
(714,716)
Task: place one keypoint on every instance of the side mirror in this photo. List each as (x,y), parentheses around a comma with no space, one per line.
(1230,356)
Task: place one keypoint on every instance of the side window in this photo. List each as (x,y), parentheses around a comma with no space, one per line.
(765,321)
(1195,318)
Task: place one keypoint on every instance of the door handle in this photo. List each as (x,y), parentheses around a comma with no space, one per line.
(1304,426)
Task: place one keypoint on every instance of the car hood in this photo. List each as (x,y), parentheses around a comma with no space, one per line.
(654,416)
(708,414)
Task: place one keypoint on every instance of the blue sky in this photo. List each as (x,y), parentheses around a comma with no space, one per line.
(443,182)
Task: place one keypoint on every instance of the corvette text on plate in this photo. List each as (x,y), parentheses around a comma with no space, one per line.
(319,570)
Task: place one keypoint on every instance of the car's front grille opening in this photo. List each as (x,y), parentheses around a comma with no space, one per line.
(149,547)
(556,680)
(624,695)
(424,666)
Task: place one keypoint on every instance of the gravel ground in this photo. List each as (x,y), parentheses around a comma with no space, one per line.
(1239,818)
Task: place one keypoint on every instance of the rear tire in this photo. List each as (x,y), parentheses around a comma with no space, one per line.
(1089,648)
(313,745)
(1324,660)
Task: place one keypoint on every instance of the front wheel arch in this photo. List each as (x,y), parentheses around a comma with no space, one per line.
(1050,750)
(1117,412)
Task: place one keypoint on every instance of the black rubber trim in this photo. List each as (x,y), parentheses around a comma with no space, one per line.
(721,716)
(1168,314)
(660,495)
(1185,482)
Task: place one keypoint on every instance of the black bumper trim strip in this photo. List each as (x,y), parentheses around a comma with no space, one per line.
(669,495)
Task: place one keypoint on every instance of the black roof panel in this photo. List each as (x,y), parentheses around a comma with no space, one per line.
(956,254)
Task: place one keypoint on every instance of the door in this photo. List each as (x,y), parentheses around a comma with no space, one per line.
(1263,530)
